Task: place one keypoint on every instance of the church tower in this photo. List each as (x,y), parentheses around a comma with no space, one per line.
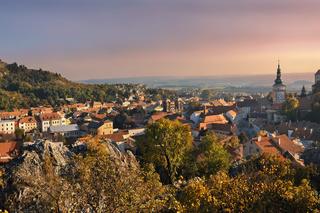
(279,89)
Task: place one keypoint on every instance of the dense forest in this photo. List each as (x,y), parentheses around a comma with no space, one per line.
(21,87)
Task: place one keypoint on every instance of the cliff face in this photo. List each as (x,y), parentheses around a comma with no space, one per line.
(29,180)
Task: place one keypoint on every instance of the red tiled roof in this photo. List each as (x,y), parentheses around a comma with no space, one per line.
(6,150)
(118,136)
(219,119)
(266,146)
(287,145)
(28,119)
(158,116)
(50,116)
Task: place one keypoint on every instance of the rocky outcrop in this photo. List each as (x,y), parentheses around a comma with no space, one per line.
(25,176)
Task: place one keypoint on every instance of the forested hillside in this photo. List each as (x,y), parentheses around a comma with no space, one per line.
(23,87)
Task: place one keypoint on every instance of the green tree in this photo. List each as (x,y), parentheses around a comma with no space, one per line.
(211,156)
(166,145)
(19,133)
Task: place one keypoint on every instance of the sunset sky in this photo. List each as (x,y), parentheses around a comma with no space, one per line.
(85,39)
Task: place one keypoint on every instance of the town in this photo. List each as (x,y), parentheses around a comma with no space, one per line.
(260,123)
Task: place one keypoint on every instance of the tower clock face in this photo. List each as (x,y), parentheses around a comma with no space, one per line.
(280,96)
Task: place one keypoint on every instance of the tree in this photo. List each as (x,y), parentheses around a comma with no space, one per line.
(166,145)
(290,108)
(207,94)
(303,92)
(19,133)
(269,187)
(211,156)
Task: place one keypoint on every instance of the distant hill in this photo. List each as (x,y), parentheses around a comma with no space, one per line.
(294,81)
(23,87)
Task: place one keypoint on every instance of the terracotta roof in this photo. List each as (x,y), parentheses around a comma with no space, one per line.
(50,116)
(288,145)
(28,119)
(15,114)
(158,116)
(218,119)
(232,113)
(266,146)
(6,150)
(215,110)
(118,136)
(99,116)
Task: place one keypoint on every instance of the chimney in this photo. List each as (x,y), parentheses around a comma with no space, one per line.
(278,141)
(259,138)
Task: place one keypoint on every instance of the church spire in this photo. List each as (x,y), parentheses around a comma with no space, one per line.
(278,79)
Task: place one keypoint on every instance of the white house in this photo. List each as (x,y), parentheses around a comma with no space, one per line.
(7,127)
(50,119)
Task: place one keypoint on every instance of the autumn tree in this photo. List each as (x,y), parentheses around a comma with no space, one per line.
(268,187)
(290,108)
(166,145)
(211,156)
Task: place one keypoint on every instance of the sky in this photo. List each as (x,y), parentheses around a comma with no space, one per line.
(97,39)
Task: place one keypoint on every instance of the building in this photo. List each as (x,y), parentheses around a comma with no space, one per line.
(316,86)
(100,128)
(7,127)
(278,89)
(279,145)
(168,106)
(27,123)
(68,131)
(50,119)
(212,119)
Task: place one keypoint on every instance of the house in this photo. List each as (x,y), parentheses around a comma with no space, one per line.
(68,131)
(157,116)
(41,110)
(96,105)
(123,141)
(100,128)
(232,115)
(15,114)
(27,123)
(279,145)
(8,150)
(196,116)
(212,119)
(50,119)
(7,126)
(223,129)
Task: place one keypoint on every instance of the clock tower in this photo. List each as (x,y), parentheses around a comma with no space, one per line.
(279,89)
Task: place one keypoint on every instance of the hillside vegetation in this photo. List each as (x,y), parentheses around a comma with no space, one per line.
(22,87)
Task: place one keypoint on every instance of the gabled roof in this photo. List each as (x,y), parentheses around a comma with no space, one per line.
(266,146)
(219,119)
(29,119)
(50,116)
(288,145)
